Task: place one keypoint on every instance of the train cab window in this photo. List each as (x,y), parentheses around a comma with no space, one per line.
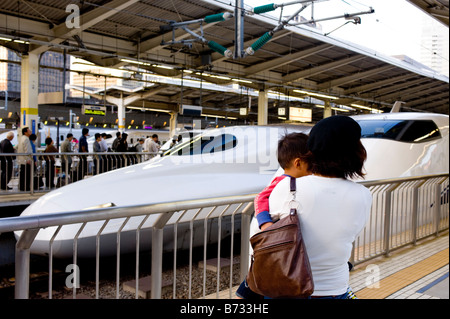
(400,130)
(204,145)
(389,129)
(420,131)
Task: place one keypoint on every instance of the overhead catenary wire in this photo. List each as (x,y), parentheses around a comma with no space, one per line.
(266,37)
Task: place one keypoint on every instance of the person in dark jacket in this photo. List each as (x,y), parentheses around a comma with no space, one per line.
(50,163)
(122,147)
(83,149)
(6,161)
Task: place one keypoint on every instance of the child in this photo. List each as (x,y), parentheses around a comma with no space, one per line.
(292,150)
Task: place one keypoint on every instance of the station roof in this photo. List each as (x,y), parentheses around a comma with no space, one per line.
(297,59)
(438,9)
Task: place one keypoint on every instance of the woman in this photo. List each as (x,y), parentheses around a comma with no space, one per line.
(332,209)
(50,163)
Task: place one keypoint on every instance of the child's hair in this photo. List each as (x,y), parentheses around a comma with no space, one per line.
(290,147)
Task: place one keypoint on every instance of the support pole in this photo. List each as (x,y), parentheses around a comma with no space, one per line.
(121,113)
(263,108)
(173,123)
(327,112)
(29,90)
(239,29)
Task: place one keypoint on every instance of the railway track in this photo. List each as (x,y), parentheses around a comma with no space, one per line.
(39,276)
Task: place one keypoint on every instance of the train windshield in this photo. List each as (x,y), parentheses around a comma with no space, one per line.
(400,130)
(203,144)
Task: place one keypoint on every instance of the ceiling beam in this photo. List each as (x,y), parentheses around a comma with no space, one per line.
(286,59)
(430,99)
(40,30)
(321,68)
(393,88)
(87,20)
(378,84)
(410,92)
(353,77)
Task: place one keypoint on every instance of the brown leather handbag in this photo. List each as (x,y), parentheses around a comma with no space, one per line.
(280,266)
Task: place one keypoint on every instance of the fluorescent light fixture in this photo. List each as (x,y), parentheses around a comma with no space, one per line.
(361,106)
(316,94)
(220,116)
(366,108)
(135,62)
(162,66)
(147,64)
(333,108)
(148,109)
(243,81)
(220,77)
(5,39)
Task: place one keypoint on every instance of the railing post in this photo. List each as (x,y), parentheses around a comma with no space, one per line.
(157,250)
(415,210)
(245,235)
(437,206)
(414,214)
(23,245)
(157,253)
(387,218)
(31,177)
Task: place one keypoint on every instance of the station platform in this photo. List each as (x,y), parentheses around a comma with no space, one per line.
(413,272)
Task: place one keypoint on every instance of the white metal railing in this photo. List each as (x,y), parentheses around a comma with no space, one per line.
(43,174)
(404,211)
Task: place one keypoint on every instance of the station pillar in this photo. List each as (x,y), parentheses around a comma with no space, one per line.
(173,123)
(263,108)
(121,113)
(29,90)
(327,112)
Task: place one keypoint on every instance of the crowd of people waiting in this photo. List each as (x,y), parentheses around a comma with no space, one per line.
(70,169)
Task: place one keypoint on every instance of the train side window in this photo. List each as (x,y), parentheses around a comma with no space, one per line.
(420,131)
(204,145)
(219,143)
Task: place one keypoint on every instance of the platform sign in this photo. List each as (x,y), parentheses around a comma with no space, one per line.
(300,114)
(94,110)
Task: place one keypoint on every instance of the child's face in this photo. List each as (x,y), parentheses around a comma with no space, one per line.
(298,168)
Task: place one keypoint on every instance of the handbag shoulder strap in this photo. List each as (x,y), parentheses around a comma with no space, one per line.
(293,184)
(293,189)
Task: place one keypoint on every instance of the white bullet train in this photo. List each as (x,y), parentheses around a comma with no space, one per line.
(224,162)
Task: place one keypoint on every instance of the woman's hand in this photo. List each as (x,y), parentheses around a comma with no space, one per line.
(265,225)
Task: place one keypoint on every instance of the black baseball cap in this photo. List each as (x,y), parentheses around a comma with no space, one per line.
(334,134)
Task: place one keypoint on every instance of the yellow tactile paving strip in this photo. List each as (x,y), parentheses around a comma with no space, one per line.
(395,282)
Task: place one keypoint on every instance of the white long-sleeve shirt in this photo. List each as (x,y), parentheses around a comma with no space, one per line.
(332,211)
(150,146)
(24,147)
